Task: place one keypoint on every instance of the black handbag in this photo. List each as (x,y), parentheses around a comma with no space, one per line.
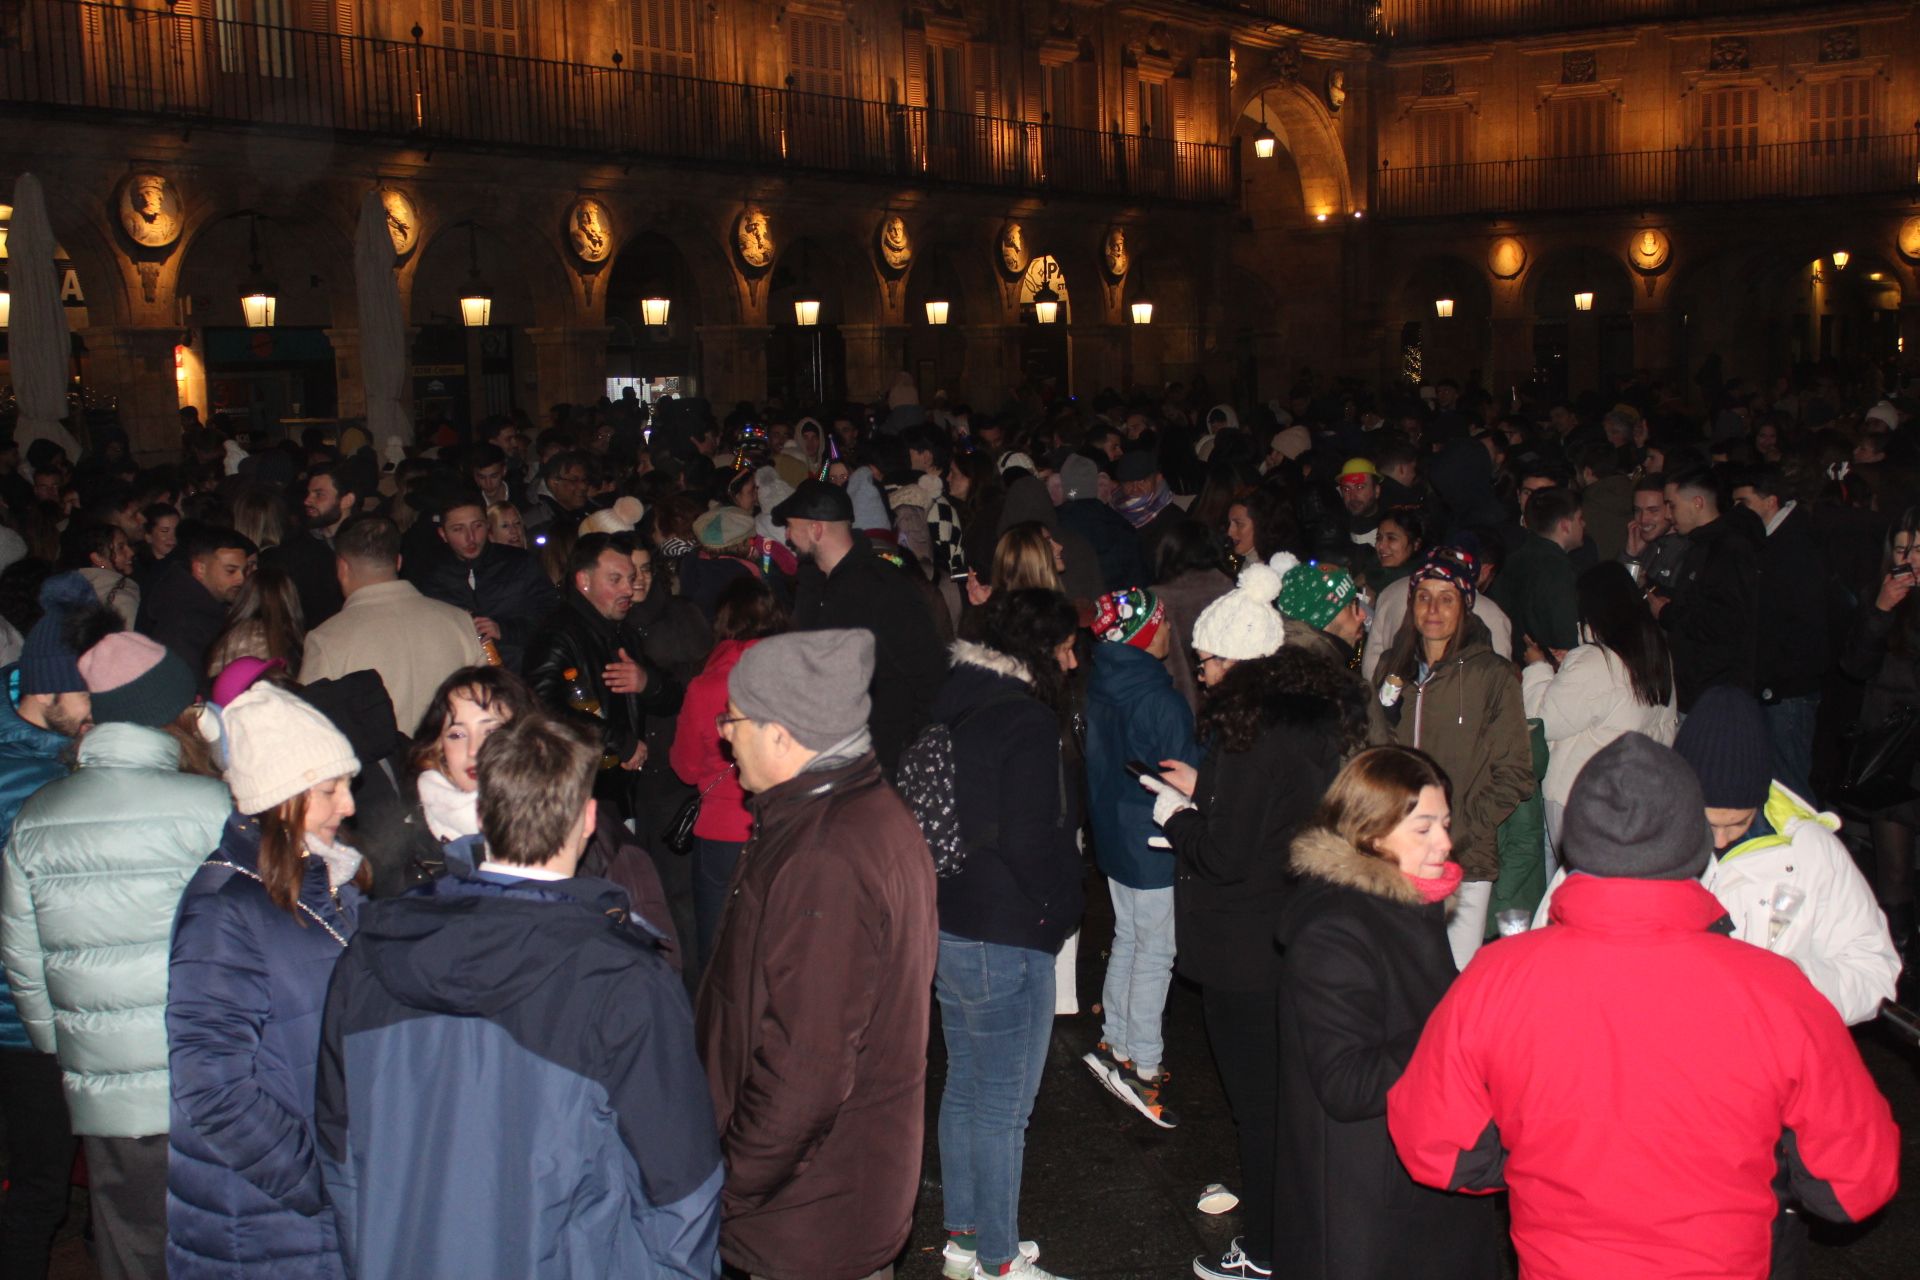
(1881,760)
(679,833)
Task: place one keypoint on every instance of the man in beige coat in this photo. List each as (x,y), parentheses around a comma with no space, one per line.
(388,627)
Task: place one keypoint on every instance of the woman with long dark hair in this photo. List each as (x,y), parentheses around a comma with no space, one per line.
(466,709)
(264,621)
(1364,963)
(1260,523)
(978,496)
(1884,652)
(1618,679)
(1268,714)
(1004,915)
(259,929)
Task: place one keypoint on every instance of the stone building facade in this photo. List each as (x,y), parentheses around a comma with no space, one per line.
(1691,164)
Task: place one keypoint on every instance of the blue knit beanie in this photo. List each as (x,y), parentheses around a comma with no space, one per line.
(47,664)
(1725,739)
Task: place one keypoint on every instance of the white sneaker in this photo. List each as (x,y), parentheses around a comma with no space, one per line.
(1234,1264)
(957,1263)
(1024,1268)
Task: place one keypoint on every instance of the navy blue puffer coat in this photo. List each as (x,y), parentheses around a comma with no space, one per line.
(247,982)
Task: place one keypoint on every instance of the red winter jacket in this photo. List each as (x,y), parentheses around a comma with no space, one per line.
(698,756)
(1634,1077)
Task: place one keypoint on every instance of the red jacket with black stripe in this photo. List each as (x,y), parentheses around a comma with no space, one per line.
(1636,1079)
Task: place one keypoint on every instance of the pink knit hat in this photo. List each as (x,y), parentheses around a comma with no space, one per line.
(240,675)
(137,680)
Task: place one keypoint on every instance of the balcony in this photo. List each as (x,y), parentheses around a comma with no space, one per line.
(1423,22)
(79,58)
(1886,165)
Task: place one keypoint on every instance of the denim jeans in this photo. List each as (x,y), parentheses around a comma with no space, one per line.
(713,863)
(1790,728)
(1139,969)
(996,1014)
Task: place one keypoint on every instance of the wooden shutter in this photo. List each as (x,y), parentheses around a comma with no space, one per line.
(1440,137)
(915,81)
(1130,100)
(481,26)
(1839,112)
(1086,94)
(1730,120)
(1180,101)
(1579,126)
(983,78)
(663,36)
(817,55)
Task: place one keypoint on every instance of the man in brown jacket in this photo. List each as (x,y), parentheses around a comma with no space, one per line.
(813,1017)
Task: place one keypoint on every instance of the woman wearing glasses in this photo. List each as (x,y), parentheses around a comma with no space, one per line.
(1276,724)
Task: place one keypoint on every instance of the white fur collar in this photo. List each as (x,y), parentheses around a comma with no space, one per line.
(1319,853)
(968,654)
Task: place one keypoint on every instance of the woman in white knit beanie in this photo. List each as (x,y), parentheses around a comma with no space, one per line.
(259,930)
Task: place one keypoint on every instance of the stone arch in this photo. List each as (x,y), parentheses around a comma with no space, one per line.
(1450,346)
(1308,135)
(107,280)
(1558,274)
(524,233)
(650,264)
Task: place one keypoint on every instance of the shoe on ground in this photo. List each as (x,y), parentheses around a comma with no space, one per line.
(1216,1199)
(1024,1268)
(1142,1095)
(957,1262)
(1234,1264)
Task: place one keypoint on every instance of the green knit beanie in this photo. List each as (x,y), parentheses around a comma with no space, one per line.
(1315,593)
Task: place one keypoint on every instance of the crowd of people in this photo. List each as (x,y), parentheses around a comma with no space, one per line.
(543,850)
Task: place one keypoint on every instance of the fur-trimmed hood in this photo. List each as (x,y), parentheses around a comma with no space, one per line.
(1319,854)
(967,653)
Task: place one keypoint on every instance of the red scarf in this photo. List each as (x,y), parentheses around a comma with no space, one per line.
(1437,889)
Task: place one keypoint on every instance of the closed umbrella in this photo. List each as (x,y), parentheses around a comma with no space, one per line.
(383,334)
(38,343)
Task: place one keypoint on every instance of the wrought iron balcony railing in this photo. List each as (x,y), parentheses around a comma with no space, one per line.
(1887,164)
(1420,22)
(109,60)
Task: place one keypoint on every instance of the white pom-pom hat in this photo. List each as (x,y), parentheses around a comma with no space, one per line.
(1243,624)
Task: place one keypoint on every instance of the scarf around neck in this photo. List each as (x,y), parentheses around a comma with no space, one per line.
(1437,889)
(342,863)
(1139,511)
(451,814)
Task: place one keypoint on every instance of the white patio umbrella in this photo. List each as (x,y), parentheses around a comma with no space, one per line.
(383,333)
(39,346)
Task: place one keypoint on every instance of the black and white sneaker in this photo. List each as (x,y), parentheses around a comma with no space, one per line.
(1234,1264)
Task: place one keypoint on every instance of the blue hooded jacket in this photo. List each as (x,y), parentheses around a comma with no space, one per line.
(579,1140)
(29,760)
(1133,713)
(246,982)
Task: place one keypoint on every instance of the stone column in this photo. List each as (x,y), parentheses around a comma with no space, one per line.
(1095,358)
(570,364)
(732,363)
(990,364)
(135,367)
(875,354)
(349,380)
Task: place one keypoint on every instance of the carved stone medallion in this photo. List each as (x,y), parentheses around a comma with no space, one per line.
(1013,249)
(403,221)
(150,211)
(753,238)
(1649,249)
(894,246)
(590,231)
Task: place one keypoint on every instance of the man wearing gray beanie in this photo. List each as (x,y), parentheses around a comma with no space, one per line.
(814,1011)
(1649,1074)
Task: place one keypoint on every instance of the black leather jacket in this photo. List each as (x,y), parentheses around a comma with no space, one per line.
(575,635)
(507,586)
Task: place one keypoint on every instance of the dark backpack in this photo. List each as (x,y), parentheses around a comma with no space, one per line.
(925,780)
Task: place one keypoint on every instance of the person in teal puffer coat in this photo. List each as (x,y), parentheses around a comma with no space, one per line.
(94,870)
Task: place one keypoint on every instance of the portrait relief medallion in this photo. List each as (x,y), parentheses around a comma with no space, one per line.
(753,239)
(1507,258)
(1113,253)
(1909,240)
(403,221)
(896,249)
(589,231)
(1649,249)
(1013,249)
(150,211)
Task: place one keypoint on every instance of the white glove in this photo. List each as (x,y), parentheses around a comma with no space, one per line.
(1167,803)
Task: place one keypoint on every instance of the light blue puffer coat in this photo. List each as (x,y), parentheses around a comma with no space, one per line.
(94,871)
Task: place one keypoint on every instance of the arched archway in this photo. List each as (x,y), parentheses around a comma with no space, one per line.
(1581,302)
(806,305)
(1444,322)
(278,374)
(938,305)
(464,373)
(657,359)
(1307,175)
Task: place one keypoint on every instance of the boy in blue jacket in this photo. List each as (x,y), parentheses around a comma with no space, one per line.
(1133,714)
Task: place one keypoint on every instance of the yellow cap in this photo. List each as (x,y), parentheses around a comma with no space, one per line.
(1358,467)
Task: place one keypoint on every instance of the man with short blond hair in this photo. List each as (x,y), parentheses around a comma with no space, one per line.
(567,1030)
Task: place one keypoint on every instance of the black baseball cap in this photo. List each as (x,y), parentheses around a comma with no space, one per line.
(816,500)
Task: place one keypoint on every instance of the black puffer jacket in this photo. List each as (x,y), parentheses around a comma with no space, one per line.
(1230,851)
(503,583)
(1366,962)
(576,636)
(1713,623)
(1021,883)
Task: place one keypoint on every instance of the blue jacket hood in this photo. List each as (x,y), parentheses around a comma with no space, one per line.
(1122,672)
(18,738)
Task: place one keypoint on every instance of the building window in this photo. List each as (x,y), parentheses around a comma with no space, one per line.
(947,78)
(1156,115)
(1730,122)
(482,26)
(1579,126)
(1440,137)
(259,48)
(1840,114)
(817,54)
(663,36)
